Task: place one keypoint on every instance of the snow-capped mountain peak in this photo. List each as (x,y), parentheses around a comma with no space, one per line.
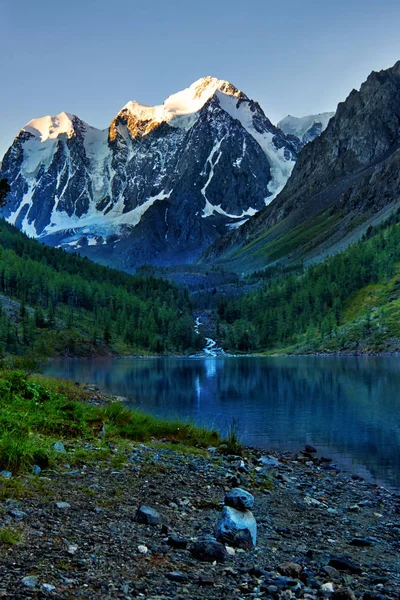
(51,127)
(158,186)
(305,128)
(179,109)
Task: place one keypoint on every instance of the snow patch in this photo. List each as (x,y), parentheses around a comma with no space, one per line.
(300,125)
(180,109)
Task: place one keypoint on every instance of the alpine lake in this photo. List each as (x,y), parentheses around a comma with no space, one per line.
(348,407)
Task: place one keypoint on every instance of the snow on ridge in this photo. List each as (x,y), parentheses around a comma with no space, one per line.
(281,167)
(50,127)
(300,125)
(115,218)
(178,108)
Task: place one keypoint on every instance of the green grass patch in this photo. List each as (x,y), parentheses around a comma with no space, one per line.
(37,411)
(10,536)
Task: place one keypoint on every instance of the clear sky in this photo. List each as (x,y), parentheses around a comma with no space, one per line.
(90,57)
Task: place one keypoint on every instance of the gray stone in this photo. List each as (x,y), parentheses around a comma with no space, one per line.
(177,541)
(343,593)
(177,576)
(36,470)
(47,587)
(361,542)
(239,499)
(332,573)
(6,474)
(59,447)
(17,515)
(209,550)
(30,581)
(342,563)
(233,523)
(147,516)
(63,505)
(290,569)
(268,461)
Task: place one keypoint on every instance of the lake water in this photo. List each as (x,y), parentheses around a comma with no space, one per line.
(347,407)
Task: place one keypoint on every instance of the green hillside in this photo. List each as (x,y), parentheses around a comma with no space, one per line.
(350,302)
(52,302)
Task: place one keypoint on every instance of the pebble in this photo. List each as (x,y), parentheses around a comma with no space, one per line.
(177,576)
(59,447)
(63,505)
(47,587)
(6,474)
(30,581)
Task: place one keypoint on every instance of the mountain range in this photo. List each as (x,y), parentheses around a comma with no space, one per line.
(344,181)
(158,186)
(207,177)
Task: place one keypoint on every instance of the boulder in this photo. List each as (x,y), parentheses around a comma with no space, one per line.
(209,550)
(147,516)
(237,528)
(239,499)
(268,462)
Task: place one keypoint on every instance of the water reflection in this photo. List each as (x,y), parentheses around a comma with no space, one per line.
(346,406)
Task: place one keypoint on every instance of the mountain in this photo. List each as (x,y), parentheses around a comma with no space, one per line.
(158,186)
(343,181)
(305,128)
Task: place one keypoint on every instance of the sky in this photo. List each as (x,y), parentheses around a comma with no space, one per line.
(90,57)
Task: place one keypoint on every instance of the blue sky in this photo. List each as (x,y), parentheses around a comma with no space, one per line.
(90,57)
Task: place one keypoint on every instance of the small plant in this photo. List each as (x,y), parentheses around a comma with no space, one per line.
(232,444)
(10,536)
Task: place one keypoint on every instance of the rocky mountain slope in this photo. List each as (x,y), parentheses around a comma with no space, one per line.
(343,181)
(306,128)
(158,186)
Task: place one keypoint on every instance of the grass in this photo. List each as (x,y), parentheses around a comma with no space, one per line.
(10,536)
(301,238)
(37,411)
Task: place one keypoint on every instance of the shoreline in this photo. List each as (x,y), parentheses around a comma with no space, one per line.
(318,534)
(71,529)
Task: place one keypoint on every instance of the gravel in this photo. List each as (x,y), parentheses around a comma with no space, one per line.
(310,545)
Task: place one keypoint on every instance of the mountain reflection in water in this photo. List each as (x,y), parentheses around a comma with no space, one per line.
(348,407)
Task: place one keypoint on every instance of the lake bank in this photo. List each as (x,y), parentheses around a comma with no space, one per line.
(346,407)
(71,530)
(75,534)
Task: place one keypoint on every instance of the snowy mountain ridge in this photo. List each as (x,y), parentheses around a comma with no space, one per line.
(306,128)
(159,185)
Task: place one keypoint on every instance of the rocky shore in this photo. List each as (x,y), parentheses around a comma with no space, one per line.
(144,523)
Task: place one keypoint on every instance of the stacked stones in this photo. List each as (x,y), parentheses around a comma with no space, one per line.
(237,526)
